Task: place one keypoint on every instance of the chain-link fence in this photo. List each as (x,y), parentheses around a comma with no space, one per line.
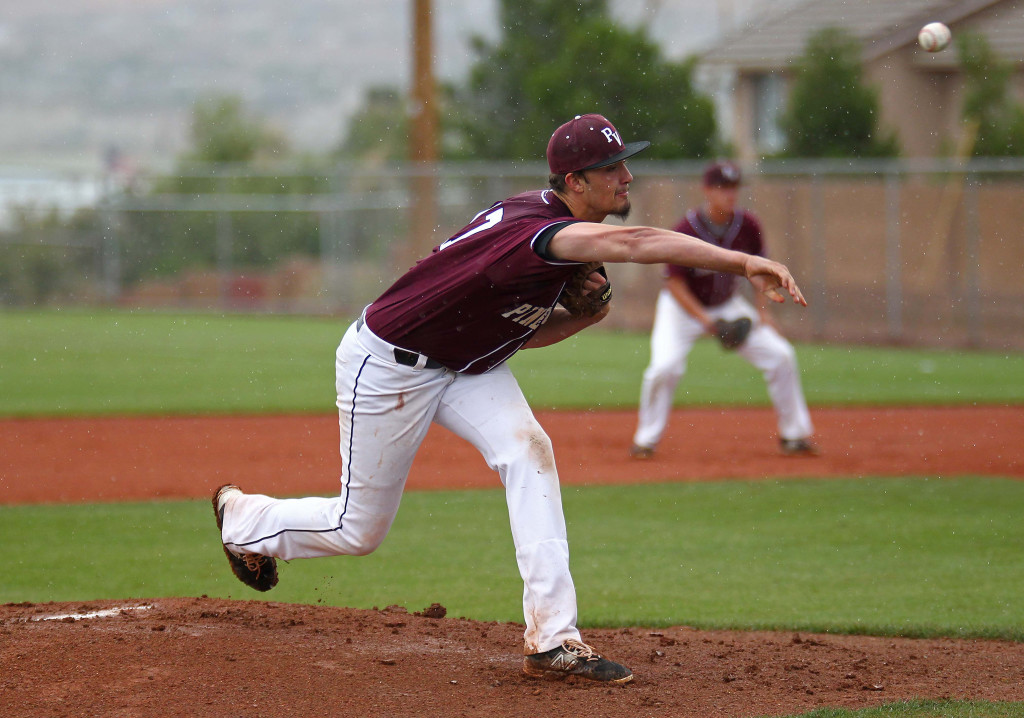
(924,253)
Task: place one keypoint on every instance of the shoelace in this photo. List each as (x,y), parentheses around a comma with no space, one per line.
(580,649)
(253,562)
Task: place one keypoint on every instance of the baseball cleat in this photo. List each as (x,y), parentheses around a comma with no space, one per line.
(641,452)
(575,658)
(253,569)
(798,447)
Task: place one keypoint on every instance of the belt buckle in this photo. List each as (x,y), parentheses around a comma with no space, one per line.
(406,358)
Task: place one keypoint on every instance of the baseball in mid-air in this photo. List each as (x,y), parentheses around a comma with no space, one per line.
(934,37)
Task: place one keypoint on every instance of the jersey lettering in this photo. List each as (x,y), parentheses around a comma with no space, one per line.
(528,315)
(491,219)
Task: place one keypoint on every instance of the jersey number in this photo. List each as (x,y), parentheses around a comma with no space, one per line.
(492,218)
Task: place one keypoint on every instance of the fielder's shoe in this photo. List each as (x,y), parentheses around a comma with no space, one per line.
(575,658)
(252,569)
(798,447)
(641,452)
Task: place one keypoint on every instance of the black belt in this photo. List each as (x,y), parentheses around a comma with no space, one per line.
(412,358)
(407,358)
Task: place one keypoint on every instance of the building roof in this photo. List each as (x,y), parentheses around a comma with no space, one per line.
(775,40)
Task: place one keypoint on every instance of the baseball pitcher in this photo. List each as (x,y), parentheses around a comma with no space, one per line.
(526,272)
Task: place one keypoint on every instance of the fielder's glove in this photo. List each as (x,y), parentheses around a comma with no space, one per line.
(577,300)
(732,334)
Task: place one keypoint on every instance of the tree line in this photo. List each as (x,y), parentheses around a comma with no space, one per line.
(554,59)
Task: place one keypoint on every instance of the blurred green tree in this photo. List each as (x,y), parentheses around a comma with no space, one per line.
(553,60)
(229,143)
(48,262)
(224,132)
(999,120)
(379,130)
(556,59)
(831,113)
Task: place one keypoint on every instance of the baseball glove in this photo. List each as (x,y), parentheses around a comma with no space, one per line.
(732,334)
(575,297)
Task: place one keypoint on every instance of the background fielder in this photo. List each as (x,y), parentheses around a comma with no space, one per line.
(690,304)
(433,347)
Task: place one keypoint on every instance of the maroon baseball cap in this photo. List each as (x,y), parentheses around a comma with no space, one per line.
(587,142)
(722,174)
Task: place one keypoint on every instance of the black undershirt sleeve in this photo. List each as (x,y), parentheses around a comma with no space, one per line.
(540,245)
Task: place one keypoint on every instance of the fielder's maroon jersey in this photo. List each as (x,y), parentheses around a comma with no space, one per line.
(743,235)
(479,296)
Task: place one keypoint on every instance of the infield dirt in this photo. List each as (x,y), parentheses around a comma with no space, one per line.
(214,657)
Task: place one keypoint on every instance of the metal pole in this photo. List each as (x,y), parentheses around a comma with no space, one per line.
(223,248)
(972,279)
(818,258)
(423,116)
(423,125)
(110,251)
(893,266)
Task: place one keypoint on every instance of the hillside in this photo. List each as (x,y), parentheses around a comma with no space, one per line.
(82,78)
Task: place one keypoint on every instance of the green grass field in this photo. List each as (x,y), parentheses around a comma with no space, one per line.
(884,556)
(75,363)
(908,557)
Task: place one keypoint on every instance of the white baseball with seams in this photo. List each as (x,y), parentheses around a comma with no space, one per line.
(934,37)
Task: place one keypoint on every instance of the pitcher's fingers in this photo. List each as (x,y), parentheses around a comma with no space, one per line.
(787,281)
(798,296)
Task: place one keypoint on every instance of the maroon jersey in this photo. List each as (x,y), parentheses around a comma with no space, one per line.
(479,296)
(743,234)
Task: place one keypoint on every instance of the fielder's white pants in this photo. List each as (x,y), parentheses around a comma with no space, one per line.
(384,412)
(672,338)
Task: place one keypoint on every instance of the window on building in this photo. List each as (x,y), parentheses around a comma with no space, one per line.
(769,104)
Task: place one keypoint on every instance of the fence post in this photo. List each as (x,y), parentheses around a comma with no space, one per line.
(336,259)
(893,260)
(819,264)
(972,278)
(224,263)
(110,254)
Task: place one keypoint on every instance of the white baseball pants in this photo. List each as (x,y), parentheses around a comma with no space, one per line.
(672,338)
(385,409)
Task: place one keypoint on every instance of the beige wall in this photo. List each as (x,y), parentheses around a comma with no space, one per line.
(958,283)
(923,107)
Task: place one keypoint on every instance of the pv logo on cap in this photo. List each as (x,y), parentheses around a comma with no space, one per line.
(611,135)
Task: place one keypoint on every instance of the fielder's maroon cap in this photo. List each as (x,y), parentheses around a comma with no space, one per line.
(587,142)
(722,174)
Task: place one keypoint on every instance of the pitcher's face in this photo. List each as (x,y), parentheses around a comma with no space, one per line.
(607,190)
